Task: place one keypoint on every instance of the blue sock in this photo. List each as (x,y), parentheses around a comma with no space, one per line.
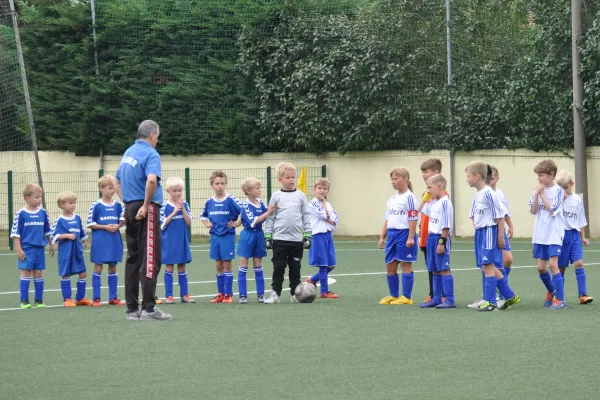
(547,280)
(563,274)
(323,271)
(500,295)
(490,289)
(65,288)
(183,283)
(242,287)
(228,283)
(260,281)
(581,280)
(559,286)
(394,285)
(38,283)
(448,285)
(482,285)
(408,280)
(80,289)
(96,284)
(315,278)
(507,271)
(506,292)
(168,283)
(221,283)
(113,282)
(24,286)
(438,287)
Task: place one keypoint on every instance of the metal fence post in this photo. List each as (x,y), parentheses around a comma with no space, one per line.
(10,208)
(188,195)
(324,171)
(100,175)
(269,188)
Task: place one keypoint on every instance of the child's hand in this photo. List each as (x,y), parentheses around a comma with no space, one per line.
(84,244)
(232,224)
(410,242)
(380,243)
(271,208)
(51,249)
(510,232)
(179,206)
(539,189)
(21,255)
(501,243)
(71,236)
(440,249)
(585,242)
(112,228)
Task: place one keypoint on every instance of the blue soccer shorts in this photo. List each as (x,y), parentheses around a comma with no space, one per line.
(222,248)
(545,251)
(486,247)
(35,259)
(395,247)
(572,248)
(322,251)
(437,262)
(252,244)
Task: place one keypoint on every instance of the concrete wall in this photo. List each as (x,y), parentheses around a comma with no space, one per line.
(360,181)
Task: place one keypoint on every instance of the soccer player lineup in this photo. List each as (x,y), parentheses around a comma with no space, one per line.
(289,225)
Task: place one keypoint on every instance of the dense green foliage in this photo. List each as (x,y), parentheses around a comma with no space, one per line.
(248,76)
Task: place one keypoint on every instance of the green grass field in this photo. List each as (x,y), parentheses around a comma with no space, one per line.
(350,348)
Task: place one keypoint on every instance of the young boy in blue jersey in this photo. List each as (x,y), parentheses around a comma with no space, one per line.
(220,215)
(105,218)
(252,239)
(488,220)
(549,230)
(70,234)
(440,214)
(175,217)
(324,221)
(401,248)
(574,239)
(287,232)
(30,233)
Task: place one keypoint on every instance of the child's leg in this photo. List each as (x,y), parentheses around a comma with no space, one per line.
(489,293)
(294,257)
(437,287)
(113,282)
(182,279)
(96,281)
(448,285)
(279,264)
(507,260)
(242,272)
(506,292)
(65,288)
(581,281)
(259,276)
(24,284)
(429,273)
(169,280)
(220,277)
(323,271)
(545,275)
(315,278)
(557,279)
(392,279)
(38,284)
(81,284)
(408,279)
(228,268)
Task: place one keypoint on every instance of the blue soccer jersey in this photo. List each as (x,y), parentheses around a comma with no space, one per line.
(175,235)
(219,213)
(139,161)
(250,214)
(107,247)
(31,227)
(70,252)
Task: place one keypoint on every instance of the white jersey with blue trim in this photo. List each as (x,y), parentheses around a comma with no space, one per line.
(251,212)
(318,217)
(574,213)
(402,209)
(549,226)
(31,227)
(503,202)
(441,215)
(485,208)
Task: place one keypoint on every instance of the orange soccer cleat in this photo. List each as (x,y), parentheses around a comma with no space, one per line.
(116,302)
(69,303)
(218,298)
(84,302)
(97,303)
(228,299)
(329,295)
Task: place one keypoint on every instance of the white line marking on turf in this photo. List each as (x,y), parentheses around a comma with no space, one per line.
(331,281)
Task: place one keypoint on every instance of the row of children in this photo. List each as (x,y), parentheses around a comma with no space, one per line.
(293,225)
(557,238)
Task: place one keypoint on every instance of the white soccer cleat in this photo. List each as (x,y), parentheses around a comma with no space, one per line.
(273,298)
(293,299)
(476,304)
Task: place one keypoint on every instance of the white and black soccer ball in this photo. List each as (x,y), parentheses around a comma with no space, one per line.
(306,292)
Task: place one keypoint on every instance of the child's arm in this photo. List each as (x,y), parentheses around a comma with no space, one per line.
(412,228)
(18,249)
(204,216)
(264,216)
(509,223)
(187,213)
(383,235)
(413,216)
(533,208)
(50,245)
(583,239)
(167,220)
(424,201)
(501,243)
(442,246)
(271,219)
(65,236)
(234,223)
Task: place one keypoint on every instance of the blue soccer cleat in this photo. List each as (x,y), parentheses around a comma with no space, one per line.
(446,304)
(429,304)
(548,299)
(558,304)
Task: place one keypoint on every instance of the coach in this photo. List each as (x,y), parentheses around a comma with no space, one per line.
(138,185)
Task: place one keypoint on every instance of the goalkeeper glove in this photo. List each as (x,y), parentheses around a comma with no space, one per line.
(269,240)
(307,241)
(426,196)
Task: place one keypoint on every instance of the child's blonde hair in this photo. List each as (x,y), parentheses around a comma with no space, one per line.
(322,182)
(495,171)
(284,166)
(564,178)
(174,181)
(63,197)
(438,178)
(434,164)
(478,168)
(106,180)
(249,183)
(217,174)
(547,167)
(403,173)
(30,189)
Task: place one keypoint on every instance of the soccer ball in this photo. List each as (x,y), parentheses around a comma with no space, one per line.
(306,292)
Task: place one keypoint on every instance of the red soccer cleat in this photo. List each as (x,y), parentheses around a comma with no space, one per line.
(218,298)
(116,302)
(329,295)
(84,302)
(311,282)
(228,299)
(97,303)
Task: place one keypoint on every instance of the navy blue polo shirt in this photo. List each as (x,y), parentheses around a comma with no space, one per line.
(139,161)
